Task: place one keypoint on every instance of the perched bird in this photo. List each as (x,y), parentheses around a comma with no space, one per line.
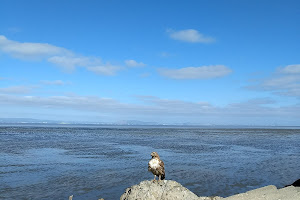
(157,166)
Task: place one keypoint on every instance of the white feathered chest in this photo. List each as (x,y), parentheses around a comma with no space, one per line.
(154,163)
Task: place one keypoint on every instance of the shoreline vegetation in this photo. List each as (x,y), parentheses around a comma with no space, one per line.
(169,190)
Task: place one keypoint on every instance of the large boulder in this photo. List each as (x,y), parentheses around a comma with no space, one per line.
(171,190)
(161,190)
(269,193)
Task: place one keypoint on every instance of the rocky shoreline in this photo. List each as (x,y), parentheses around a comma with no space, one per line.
(172,190)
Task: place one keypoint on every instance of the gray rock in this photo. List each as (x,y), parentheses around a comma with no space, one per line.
(161,190)
(269,193)
(171,190)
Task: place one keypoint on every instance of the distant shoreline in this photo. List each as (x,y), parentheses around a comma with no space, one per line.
(100,125)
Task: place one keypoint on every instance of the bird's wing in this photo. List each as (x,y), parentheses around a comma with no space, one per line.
(161,167)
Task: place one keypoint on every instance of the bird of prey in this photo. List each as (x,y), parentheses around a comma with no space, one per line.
(156,166)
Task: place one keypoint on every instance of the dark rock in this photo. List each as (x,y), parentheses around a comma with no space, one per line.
(295,184)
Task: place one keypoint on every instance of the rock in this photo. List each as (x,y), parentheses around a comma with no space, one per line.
(269,193)
(295,184)
(161,190)
(171,190)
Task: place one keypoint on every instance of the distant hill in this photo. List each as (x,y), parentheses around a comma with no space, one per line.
(39,121)
(135,122)
(26,120)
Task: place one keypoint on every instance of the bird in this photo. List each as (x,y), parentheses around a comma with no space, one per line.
(156,166)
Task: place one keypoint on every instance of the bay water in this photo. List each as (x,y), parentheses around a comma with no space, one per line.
(91,162)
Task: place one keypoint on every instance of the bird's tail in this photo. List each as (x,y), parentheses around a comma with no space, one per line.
(163,176)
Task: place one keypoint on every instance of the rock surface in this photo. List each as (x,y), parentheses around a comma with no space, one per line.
(171,190)
(269,193)
(161,190)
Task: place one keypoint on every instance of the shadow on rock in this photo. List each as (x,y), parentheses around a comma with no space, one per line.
(295,184)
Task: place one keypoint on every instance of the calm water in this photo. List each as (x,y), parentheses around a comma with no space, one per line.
(96,162)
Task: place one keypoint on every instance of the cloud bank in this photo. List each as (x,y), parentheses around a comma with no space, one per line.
(254,111)
(285,81)
(203,72)
(19,89)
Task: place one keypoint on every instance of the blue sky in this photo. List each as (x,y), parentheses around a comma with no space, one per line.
(202,62)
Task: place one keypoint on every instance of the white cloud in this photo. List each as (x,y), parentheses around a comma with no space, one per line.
(285,82)
(29,89)
(59,56)
(20,89)
(280,81)
(70,62)
(76,102)
(203,72)
(108,70)
(29,50)
(190,35)
(290,69)
(133,63)
(180,107)
(54,82)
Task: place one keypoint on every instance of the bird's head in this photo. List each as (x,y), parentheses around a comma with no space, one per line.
(154,155)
